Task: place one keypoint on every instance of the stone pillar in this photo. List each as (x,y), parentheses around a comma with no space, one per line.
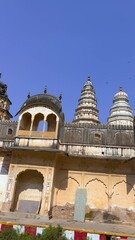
(47,192)
(9,195)
(18,126)
(44,124)
(57,128)
(32,120)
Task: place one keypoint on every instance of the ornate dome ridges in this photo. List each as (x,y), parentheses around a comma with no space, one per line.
(87,105)
(121,112)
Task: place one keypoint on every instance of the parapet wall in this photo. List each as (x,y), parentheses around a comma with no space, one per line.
(80,133)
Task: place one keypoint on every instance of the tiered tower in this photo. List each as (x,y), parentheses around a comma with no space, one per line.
(4,102)
(87,105)
(120,112)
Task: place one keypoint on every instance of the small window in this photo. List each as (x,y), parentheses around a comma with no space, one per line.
(10,131)
(97,136)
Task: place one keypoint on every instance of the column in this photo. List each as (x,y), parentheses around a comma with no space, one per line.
(44,126)
(32,120)
(57,128)
(47,192)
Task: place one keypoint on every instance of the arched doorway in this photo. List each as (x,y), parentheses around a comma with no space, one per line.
(28,192)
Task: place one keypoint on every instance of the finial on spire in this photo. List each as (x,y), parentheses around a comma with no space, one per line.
(60,97)
(28,96)
(0,74)
(45,90)
(121,89)
(88,78)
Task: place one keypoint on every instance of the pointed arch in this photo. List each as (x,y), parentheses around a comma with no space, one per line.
(38,122)
(96,179)
(51,122)
(96,193)
(123,194)
(63,193)
(25,122)
(28,191)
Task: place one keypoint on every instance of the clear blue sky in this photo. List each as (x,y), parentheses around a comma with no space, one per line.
(59,43)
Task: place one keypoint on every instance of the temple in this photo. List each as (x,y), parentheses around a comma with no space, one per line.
(78,170)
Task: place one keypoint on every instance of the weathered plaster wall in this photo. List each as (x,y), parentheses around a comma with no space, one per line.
(4,167)
(110,184)
(24,162)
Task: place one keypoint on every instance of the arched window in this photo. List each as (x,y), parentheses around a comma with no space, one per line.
(38,122)
(51,123)
(10,131)
(25,122)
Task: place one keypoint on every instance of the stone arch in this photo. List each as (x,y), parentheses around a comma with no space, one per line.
(96,179)
(123,181)
(123,194)
(38,122)
(25,121)
(66,191)
(28,191)
(51,123)
(97,194)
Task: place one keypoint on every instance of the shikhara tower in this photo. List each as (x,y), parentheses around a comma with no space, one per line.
(4,102)
(87,105)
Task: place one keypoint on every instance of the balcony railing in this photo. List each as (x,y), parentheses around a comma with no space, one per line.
(36,134)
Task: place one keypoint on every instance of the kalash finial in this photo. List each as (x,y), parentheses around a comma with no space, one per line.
(121,89)
(89,78)
(45,90)
(60,97)
(0,74)
(28,96)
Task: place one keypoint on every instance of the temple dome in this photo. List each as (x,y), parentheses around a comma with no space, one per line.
(46,100)
(120,112)
(121,94)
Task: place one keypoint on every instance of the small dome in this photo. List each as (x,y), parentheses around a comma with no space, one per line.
(121,94)
(43,100)
(120,112)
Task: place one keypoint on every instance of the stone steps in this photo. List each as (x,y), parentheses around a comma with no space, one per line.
(22,217)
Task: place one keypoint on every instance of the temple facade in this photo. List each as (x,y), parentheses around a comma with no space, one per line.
(78,170)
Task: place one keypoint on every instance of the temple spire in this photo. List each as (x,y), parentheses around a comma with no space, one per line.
(4,102)
(87,105)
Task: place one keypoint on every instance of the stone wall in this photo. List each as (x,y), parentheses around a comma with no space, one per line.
(109,186)
(7,130)
(97,134)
